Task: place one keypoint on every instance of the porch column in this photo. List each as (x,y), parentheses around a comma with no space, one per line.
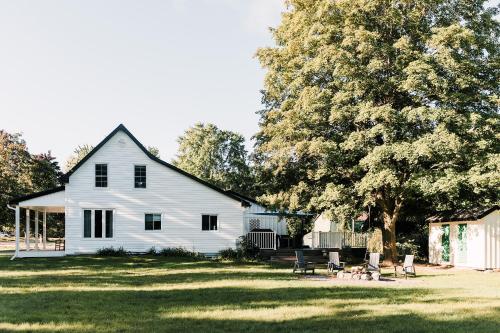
(44,237)
(27,232)
(37,238)
(18,226)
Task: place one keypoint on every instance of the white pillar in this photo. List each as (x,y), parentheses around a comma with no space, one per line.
(44,237)
(18,226)
(37,236)
(27,233)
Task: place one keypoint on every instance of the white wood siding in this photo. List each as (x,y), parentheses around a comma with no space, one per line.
(273,222)
(179,199)
(475,244)
(492,236)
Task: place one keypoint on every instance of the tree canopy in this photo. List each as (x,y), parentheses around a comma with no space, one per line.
(22,173)
(215,155)
(380,102)
(78,154)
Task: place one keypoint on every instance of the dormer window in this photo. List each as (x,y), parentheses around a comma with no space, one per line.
(101,175)
(140,176)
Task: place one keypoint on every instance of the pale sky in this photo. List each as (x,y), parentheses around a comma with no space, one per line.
(71,71)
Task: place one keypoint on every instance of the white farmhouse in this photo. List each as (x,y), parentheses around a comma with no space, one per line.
(466,238)
(120,195)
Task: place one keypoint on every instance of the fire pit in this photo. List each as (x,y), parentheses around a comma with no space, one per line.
(358,273)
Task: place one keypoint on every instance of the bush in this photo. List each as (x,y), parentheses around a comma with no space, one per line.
(230,254)
(152,251)
(112,252)
(180,252)
(412,244)
(246,251)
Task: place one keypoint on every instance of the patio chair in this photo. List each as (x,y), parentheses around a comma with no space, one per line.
(334,263)
(373,264)
(301,265)
(407,267)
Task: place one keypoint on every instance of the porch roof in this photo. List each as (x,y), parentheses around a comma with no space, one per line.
(52,200)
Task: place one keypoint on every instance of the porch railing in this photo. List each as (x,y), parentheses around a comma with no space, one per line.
(338,239)
(264,240)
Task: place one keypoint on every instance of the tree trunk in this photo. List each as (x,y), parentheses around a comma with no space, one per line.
(390,217)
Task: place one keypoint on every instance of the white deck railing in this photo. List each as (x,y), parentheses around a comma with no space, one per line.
(338,239)
(264,240)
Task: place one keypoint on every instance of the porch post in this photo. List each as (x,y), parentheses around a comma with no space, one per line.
(44,237)
(18,226)
(27,232)
(37,238)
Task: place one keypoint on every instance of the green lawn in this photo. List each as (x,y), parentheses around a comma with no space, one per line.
(87,294)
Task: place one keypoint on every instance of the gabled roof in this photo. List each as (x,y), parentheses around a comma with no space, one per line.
(463,215)
(17,200)
(122,128)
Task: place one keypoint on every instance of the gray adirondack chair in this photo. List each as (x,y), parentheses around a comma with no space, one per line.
(334,263)
(301,265)
(407,267)
(373,264)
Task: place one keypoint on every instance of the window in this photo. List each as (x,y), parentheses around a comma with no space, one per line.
(140,176)
(87,223)
(98,224)
(209,222)
(101,175)
(153,222)
(103,223)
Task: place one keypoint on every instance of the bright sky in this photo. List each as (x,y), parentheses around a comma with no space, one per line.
(71,71)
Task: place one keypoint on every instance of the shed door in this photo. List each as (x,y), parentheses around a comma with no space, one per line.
(462,244)
(445,243)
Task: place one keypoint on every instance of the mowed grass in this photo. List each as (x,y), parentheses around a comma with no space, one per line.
(156,294)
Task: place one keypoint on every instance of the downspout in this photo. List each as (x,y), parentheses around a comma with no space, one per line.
(15,210)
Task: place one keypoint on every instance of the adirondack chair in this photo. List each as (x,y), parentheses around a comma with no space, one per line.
(373,263)
(334,263)
(407,267)
(301,265)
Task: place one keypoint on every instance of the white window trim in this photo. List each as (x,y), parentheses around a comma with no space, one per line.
(133,179)
(210,230)
(92,225)
(107,176)
(161,222)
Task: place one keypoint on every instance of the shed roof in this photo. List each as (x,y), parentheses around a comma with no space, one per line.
(463,214)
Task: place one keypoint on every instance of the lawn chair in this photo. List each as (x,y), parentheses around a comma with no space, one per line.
(407,266)
(373,263)
(301,265)
(334,263)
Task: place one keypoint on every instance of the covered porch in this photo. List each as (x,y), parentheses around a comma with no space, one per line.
(32,226)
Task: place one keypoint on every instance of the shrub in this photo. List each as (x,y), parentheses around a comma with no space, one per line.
(152,251)
(246,250)
(180,252)
(230,254)
(112,252)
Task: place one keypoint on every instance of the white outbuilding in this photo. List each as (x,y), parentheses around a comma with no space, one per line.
(466,239)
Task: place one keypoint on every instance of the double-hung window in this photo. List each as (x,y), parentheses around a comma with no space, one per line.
(209,222)
(97,223)
(152,222)
(101,175)
(140,176)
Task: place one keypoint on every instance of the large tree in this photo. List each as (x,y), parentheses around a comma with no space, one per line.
(22,173)
(78,154)
(215,155)
(380,102)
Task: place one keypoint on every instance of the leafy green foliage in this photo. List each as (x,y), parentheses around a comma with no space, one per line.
(246,250)
(112,252)
(215,155)
(154,151)
(381,103)
(78,154)
(180,252)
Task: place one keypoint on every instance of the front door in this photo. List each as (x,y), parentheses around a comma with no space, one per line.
(445,243)
(462,244)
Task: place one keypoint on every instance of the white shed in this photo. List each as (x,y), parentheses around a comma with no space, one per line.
(466,239)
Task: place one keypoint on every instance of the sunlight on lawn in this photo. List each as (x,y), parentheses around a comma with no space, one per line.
(130,294)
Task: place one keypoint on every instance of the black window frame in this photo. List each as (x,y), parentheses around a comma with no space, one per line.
(87,223)
(101,175)
(140,176)
(152,224)
(98,223)
(209,222)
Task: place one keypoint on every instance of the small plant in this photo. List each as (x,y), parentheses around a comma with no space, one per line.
(180,252)
(246,251)
(152,251)
(112,252)
(230,254)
